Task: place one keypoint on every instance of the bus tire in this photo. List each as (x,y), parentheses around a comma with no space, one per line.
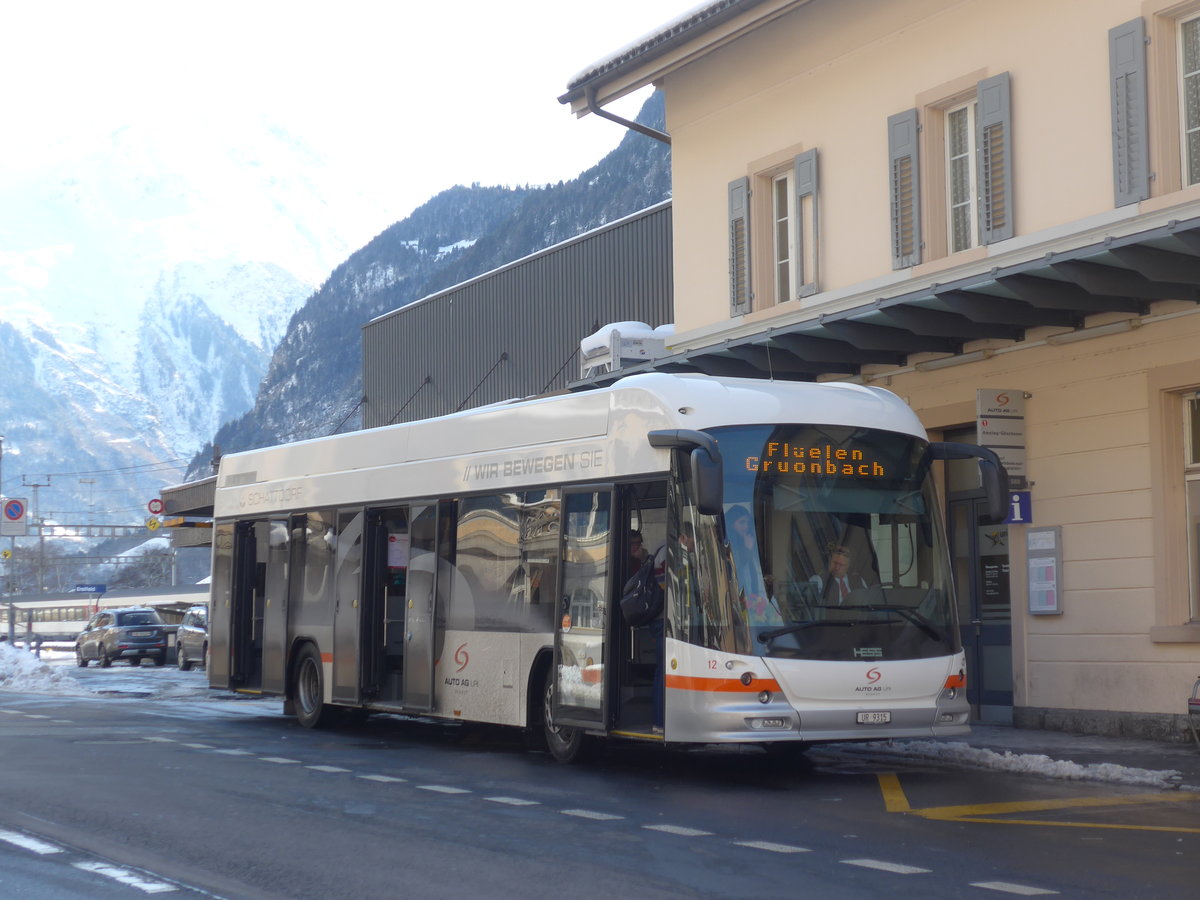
(308,690)
(565,742)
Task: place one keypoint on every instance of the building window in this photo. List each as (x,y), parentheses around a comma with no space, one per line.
(1189,94)
(961,184)
(782,204)
(783,214)
(960,148)
(1191,432)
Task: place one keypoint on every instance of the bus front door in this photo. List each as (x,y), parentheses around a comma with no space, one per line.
(580,651)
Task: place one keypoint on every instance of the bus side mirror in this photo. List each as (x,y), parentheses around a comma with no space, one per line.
(706,481)
(705,461)
(992,475)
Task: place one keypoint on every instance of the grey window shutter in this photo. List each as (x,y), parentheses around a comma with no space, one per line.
(804,177)
(739,246)
(994,159)
(1130,121)
(904,174)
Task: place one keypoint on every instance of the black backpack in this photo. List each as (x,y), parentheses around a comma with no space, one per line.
(642,599)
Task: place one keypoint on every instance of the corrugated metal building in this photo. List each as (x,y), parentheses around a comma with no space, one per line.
(515,331)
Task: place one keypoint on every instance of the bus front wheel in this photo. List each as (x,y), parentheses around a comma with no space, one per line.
(564,742)
(308,690)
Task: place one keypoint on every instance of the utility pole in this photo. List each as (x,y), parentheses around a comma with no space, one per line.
(41,529)
(90,482)
(12,555)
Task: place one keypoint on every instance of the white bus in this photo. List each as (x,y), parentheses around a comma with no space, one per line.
(471,567)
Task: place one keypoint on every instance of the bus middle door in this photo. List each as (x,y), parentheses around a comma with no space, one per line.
(580,655)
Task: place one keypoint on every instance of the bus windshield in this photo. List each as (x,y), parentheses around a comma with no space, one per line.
(834,545)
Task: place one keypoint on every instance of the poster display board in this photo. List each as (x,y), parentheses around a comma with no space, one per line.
(1043,559)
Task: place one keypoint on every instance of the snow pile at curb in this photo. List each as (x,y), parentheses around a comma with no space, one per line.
(21,671)
(1029,763)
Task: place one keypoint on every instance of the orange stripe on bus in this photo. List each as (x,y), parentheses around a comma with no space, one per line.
(326,657)
(732,685)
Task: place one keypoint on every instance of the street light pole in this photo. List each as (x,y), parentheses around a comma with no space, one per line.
(12,612)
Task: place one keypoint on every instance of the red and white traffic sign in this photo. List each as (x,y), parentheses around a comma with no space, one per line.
(155,506)
(13,522)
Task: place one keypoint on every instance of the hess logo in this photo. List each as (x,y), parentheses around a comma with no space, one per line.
(873,675)
(461,657)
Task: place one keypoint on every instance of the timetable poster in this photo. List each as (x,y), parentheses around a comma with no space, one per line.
(1044,563)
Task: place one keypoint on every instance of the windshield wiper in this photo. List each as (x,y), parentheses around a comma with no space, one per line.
(801,626)
(913,616)
(907,613)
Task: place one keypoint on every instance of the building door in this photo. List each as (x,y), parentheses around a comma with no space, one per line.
(980,557)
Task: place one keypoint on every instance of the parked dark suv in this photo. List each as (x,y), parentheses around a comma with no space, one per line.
(191,640)
(134,634)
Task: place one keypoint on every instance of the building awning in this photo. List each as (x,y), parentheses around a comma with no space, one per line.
(1116,275)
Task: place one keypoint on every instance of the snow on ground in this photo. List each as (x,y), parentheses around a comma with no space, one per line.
(961,753)
(22,672)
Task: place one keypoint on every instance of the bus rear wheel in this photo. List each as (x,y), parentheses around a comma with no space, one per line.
(564,742)
(308,690)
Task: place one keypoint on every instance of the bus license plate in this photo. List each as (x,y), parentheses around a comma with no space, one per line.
(874,718)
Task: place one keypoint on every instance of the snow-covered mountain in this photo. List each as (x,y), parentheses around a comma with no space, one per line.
(145,279)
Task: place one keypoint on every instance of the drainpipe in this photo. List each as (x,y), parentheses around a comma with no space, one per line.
(590,95)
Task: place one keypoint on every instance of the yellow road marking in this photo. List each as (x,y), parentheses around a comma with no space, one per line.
(895,801)
(893,794)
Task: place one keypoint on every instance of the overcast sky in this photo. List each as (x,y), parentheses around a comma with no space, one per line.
(444,92)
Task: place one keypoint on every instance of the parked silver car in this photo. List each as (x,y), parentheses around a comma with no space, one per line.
(191,639)
(133,634)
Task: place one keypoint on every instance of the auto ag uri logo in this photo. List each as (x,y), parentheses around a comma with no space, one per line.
(873,675)
(461,657)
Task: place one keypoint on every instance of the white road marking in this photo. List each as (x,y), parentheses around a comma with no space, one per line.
(282,760)
(1007,888)
(125,876)
(161,740)
(383,779)
(591,814)
(442,789)
(885,866)
(37,716)
(236,752)
(679,830)
(774,848)
(327,768)
(512,801)
(198,746)
(25,842)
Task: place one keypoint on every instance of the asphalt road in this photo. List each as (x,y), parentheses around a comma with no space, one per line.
(207,795)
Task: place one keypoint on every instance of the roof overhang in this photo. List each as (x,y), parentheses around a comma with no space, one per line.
(1117,275)
(651,57)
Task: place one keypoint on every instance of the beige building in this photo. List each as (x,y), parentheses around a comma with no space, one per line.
(992,209)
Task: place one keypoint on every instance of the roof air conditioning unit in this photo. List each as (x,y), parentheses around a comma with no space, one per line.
(622,344)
